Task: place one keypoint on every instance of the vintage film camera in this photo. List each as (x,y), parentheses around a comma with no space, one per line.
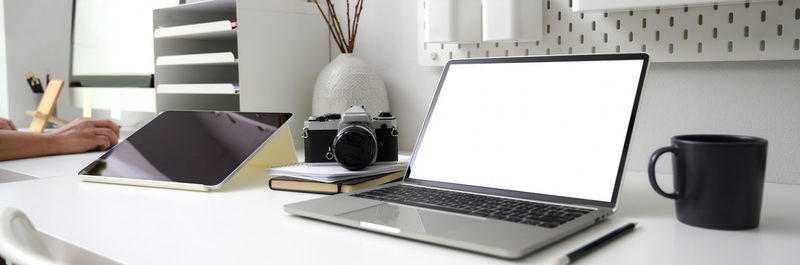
(352,139)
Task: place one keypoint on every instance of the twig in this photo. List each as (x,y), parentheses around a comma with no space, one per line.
(347,42)
(348,20)
(355,17)
(337,26)
(328,23)
(355,26)
(332,17)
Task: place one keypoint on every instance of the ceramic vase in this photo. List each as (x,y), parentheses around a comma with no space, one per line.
(348,81)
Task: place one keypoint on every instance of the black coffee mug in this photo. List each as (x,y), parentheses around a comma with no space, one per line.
(719,179)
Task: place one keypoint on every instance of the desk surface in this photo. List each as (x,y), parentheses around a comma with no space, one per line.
(46,166)
(244,223)
(50,166)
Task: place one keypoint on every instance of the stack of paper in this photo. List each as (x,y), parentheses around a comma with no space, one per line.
(333,172)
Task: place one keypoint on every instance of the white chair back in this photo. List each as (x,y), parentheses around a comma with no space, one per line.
(22,244)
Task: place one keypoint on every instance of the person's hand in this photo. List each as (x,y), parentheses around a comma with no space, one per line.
(6,124)
(83,135)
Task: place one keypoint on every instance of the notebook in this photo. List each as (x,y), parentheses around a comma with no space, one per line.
(515,154)
(332,172)
(314,186)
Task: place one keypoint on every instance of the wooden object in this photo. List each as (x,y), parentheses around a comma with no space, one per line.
(52,119)
(44,112)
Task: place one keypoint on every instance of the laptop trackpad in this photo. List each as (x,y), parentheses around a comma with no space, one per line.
(393,218)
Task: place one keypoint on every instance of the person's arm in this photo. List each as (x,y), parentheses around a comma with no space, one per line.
(16,144)
(78,136)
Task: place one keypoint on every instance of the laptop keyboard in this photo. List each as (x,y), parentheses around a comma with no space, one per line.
(518,211)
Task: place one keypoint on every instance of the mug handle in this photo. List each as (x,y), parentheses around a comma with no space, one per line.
(651,171)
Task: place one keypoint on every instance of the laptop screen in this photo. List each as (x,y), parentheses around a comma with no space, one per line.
(556,126)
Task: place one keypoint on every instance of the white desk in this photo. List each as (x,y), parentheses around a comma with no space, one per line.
(244,223)
(50,166)
(45,167)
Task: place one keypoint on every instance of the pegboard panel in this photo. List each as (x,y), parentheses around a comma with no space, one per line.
(731,32)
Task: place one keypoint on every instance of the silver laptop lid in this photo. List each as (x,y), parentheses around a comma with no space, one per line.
(554,128)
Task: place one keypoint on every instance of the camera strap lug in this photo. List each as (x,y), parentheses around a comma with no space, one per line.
(304,134)
(329,154)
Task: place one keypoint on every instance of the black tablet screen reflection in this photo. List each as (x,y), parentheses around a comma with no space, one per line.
(189,147)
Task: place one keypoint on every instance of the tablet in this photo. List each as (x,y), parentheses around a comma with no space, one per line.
(195,150)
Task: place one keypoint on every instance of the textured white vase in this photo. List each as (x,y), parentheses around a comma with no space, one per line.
(348,81)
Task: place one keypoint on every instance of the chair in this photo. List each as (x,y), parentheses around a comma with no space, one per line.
(22,244)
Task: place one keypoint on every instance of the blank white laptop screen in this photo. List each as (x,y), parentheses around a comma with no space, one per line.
(555,128)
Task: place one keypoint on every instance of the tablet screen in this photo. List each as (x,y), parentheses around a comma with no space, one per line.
(197,147)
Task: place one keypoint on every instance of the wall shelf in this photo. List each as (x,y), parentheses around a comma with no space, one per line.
(218,58)
(195,56)
(731,32)
(231,63)
(625,5)
(278,48)
(224,88)
(210,35)
(212,30)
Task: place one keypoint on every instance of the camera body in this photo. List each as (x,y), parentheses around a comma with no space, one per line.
(353,139)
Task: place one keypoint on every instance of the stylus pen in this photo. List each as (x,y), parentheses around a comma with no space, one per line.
(597,243)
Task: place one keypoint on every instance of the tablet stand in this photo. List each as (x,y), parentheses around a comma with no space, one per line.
(43,114)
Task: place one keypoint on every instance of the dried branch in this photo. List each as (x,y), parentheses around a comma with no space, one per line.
(332,17)
(348,20)
(336,26)
(355,25)
(347,42)
(328,23)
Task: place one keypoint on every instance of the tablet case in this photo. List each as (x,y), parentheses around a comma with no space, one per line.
(278,151)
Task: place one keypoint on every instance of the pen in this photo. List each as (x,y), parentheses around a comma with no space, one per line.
(588,248)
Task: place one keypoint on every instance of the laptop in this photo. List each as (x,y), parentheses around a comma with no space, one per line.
(515,154)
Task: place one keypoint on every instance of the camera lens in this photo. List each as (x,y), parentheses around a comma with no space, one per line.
(355,147)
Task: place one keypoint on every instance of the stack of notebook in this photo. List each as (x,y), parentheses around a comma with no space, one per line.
(347,185)
(331,179)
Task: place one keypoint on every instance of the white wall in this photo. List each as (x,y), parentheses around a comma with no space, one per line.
(750,98)
(387,39)
(37,40)
(3,72)
(753,98)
